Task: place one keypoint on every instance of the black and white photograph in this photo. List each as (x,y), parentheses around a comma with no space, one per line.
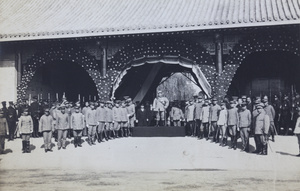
(149,95)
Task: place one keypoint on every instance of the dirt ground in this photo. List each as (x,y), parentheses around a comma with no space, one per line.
(161,163)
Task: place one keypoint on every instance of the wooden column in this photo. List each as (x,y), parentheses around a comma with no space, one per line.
(19,66)
(219,52)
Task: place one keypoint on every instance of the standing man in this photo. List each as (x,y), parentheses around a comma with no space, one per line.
(213,118)
(270,111)
(233,121)
(35,115)
(131,115)
(3,130)
(25,129)
(244,125)
(109,120)
(62,128)
(91,123)
(11,120)
(160,104)
(176,115)
(101,115)
(262,124)
(189,115)
(277,107)
(197,115)
(83,111)
(46,127)
(205,119)
(77,124)
(285,116)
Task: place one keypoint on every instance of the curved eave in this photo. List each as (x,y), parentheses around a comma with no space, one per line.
(107,32)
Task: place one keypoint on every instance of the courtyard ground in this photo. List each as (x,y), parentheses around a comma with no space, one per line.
(157,163)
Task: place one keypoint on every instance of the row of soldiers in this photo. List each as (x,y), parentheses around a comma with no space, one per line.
(98,120)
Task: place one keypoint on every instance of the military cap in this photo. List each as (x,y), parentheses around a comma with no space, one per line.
(4,102)
(25,110)
(126,97)
(214,99)
(265,100)
(159,91)
(222,103)
(232,102)
(200,97)
(244,104)
(117,101)
(257,102)
(10,102)
(76,107)
(47,110)
(195,95)
(244,97)
(260,105)
(129,99)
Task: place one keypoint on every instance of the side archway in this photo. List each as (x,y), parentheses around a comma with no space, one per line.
(59,53)
(251,44)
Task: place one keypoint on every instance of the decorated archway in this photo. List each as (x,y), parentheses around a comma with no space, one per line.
(59,53)
(158,48)
(254,43)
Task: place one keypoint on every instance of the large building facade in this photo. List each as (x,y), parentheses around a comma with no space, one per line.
(111,48)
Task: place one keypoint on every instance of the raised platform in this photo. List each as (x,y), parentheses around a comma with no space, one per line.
(163,131)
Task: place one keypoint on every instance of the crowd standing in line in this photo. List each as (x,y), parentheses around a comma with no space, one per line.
(203,118)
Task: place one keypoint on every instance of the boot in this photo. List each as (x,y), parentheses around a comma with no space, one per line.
(105,135)
(232,142)
(79,142)
(235,142)
(23,146)
(266,149)
(27,146)
(261,150)
(222,142)
(99,138)
(75,141)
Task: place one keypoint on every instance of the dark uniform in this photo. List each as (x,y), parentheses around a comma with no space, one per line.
(277,107)
(285,117)
(35,115)
(11,120)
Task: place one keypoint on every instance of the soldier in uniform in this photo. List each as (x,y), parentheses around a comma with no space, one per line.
(245,119)
(176,115)
(131,115)
(4,109)
(297,129)
(25,129)
(285,114)
(189,115)
(62,127)
(83,111)
(213,118)
(262,124)
(117,120)
(109,120)
(233,122)
(124,119)
(101,116)
(91,123)
(46,127)
(222,123)
(35,115)
(3,130)
(160,104)
(205,119)
(11,120)
(270,111)
(197,115)
(277,107)
(77,124)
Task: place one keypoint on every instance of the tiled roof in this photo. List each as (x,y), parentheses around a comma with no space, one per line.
(42,19)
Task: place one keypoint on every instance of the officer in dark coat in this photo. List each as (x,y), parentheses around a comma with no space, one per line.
(142,116)
(4,108)
(277,106)
(35,115)
(11,120)
(285,117)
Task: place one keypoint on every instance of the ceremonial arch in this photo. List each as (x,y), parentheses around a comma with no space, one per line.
(143,64)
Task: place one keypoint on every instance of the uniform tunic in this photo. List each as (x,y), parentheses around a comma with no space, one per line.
(3,126)
(198,111)
(124,114)
(109,115)
(262,124)
(131,111)
(189,115)
(176,114)
(46,123)
(222,120)
(77,121)
(245,118)
(160,104)
(213,113)
(205,114)
(117,113)
(270,112)
(233,117)
(101,114)
(25,125)
(62,121)
(91,117)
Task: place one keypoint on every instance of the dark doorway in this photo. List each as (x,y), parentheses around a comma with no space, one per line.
(63,77)
(267,73)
